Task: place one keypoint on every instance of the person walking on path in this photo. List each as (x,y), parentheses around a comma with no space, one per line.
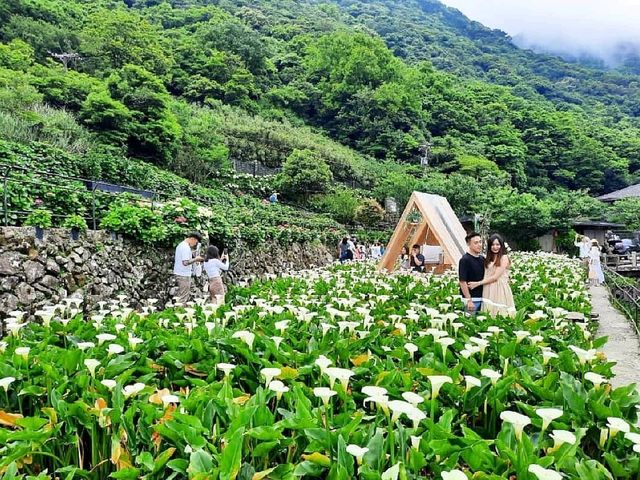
(214,265)
(497,298)
(471,269)
(596,276)
(183,265)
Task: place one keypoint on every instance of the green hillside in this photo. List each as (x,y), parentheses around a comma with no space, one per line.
(340,95)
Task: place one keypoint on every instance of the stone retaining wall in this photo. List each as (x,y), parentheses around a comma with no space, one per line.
(97,267)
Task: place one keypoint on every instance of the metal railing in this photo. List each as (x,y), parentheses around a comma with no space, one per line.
(32,184)
(624,294)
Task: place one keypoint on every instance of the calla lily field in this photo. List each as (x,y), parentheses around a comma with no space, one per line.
(337,373)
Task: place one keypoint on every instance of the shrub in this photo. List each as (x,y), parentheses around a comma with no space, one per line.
(75,221)
(135,221)
(304,173)
(341,205)
(39,218)
(369,213)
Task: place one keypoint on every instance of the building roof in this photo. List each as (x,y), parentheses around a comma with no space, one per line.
(630,191)
(596,224)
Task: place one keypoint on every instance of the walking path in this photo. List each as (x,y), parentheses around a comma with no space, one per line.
(623,346)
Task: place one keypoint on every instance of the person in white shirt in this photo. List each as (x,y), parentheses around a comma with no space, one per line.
(183,265)
(584,245)
(214,265)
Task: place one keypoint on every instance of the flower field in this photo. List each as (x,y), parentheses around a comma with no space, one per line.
(338,373)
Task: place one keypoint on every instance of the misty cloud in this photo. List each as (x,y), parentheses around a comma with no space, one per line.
(604,29)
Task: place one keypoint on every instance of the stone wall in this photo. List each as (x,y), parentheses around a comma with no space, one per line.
(97,267)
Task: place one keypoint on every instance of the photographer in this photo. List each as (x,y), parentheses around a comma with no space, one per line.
(214,265)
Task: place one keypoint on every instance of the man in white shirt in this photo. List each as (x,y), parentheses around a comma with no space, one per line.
(183,265)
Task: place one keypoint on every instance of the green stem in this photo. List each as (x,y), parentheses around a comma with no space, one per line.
(326,426)
(392,448)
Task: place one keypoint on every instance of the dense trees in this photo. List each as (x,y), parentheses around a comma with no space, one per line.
(351,90)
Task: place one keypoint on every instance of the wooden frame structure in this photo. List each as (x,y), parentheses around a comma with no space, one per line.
(439,226)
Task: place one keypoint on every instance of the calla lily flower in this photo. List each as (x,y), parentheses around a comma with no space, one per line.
(411,348)
(226,368)
(516,419)
(548,415)
(399,407)
(491,375)
(323,362)
(413,398)
(471,382)
(269,374)
(5,382)
(544,473)
(246,336)
(415,442)
(548,354)
(110,384)
(115,349)
(594,378)
(23,352)
(561,437)
(91,364)
(324,393)
(634,437)
(454,475)
(282,325)
(357,452)
(85,345)
(134,389)
(616,424)
(105,337)
(340,374)
(437,381)
(278,387)
(373,391)
(521,335)
(277,341)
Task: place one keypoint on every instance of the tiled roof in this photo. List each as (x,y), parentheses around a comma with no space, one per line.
(630,191)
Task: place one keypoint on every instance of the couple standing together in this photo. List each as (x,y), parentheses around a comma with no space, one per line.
(484,282)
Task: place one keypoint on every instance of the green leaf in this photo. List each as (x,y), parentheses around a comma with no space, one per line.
(130,473)
(231,458)
(162,459)
(265,433)
(199,462)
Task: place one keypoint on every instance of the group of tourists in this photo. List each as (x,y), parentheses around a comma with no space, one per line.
(589,253)
(350,249)
(189,263)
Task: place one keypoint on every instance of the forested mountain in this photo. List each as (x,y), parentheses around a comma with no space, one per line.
(191,85)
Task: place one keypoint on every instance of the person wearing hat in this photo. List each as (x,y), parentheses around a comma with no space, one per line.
(584,246)
(183,265)
(596,276)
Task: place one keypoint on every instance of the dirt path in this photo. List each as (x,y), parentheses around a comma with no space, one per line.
(623,346)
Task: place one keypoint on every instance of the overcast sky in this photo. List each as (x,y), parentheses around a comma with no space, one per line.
(596,26)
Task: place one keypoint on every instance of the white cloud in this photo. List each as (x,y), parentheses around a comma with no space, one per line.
(572,26)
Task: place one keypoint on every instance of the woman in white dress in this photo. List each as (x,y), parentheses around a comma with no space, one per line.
(497,298)
(596,276)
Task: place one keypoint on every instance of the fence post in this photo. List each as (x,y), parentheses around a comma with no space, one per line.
(4,200)
(93,205)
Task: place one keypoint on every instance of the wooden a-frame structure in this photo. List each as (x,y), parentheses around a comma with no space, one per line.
(439,226)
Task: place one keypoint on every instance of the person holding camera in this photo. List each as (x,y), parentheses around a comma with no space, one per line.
(183,265)
(214,265)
